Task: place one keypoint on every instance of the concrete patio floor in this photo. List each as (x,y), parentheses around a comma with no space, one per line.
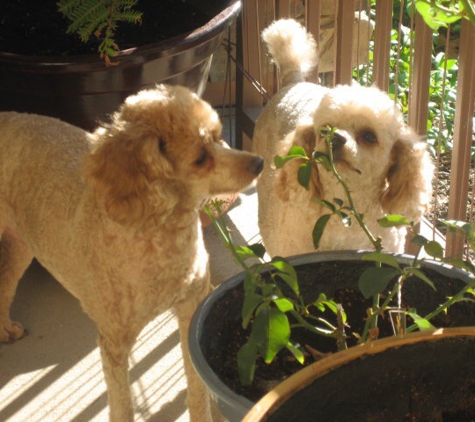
(54,374)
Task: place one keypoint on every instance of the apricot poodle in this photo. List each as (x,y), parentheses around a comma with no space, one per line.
(384,163)
(114,216)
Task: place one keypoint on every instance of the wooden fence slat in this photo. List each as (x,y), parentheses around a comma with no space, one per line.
(463,128)
(419,91)
(344,42)
(312,22)
(382,43)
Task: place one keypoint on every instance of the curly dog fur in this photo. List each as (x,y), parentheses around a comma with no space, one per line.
(384,163)
(114,216)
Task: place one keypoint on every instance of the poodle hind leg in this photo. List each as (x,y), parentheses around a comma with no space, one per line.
(15,257)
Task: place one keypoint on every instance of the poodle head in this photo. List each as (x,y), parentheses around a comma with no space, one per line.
(383,162)
(375,152)
(163,152)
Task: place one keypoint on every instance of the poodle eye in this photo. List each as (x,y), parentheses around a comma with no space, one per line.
(368,137)
(202,159)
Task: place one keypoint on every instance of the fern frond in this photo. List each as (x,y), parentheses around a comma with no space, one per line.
(99,18)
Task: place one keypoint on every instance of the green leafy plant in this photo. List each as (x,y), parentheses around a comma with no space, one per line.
(267,308)
(272,313)
(99,18)
(441,13)
(443,75)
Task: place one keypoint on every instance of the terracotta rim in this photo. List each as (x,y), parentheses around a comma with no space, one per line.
(305,376)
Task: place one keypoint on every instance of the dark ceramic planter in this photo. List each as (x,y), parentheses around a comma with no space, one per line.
(81,90)
(218,315)
(424,376)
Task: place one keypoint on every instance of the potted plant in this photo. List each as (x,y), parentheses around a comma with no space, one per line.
(425,376)
(80,88)
(273,306)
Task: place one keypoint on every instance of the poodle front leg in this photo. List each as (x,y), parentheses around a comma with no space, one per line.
(15,256)
(198,400)
(115,363)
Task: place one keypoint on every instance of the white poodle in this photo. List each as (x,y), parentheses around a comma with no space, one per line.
(114,216)
(384,163)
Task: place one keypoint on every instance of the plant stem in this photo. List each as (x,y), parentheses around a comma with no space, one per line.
(340,333)
(376,243)
(220,225)
(442,308)
(372,321)
(310,327)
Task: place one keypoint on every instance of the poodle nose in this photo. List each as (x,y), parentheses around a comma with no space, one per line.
(256,165)
(338,141)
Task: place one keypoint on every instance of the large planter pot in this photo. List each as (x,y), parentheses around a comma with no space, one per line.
(214,354)
(424,376)
(81,90)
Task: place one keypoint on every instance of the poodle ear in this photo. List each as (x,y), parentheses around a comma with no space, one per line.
(287,186)
(135,179)
(409,178)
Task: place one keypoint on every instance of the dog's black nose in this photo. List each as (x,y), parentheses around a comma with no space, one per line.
(256,165)
(338,141)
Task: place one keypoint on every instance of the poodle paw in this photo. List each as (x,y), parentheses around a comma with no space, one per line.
(11,332)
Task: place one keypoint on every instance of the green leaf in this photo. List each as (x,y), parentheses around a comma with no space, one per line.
(297,352)
(245,252)
(252,299)
(419,240)
(326,204)
(435,16)
(374,280)
(330,304)
(287,273)
(419,274)
(434,249)
(319,229)
(250,303)
(270,291)
(258,249)
(322,159)
(454,225)
(382,258)
(304,174)
(250,282)
(246,361)
(393,220)
(271,331)
(284,304)
(295,152)
(320,302)
(422,323)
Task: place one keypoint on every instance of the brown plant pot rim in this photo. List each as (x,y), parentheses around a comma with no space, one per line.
(304,377)
(133,56)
